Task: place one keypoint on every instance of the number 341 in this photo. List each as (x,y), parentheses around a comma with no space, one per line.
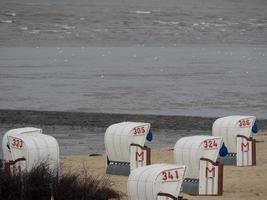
(170,175)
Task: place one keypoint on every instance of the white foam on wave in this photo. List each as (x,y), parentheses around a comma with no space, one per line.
(52,31)
(12,14)
(23,28)
(142,12)
(219,25)
(166,23)
(257,24)
(64,26)
(34,31)
(68,27)
(6,21)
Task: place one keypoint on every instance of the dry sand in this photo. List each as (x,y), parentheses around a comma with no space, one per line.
(239,182)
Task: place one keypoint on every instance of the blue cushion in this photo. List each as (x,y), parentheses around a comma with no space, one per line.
(255,128)
(149,136)
(223,151)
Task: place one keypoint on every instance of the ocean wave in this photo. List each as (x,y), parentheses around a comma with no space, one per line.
(52,31)
(12,14)
(104,30)
(166,22)
(64,26)
(34,31)
(6,21)
(23,28)
(142,12)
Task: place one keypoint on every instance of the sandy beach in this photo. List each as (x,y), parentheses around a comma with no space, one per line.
(239,182)
(73,68)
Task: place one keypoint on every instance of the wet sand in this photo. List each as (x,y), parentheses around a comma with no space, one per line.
(86,119)
(239,183)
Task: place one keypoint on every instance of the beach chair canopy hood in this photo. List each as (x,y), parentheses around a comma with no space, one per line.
(189,150)
(31,144)
(120,136)
(145,183)
(231,126)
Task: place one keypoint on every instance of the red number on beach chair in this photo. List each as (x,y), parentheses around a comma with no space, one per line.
(17,143)
(170,176)
(210,144)
(139,130)
(243,123)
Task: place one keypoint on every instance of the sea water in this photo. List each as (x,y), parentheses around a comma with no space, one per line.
(172,57)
